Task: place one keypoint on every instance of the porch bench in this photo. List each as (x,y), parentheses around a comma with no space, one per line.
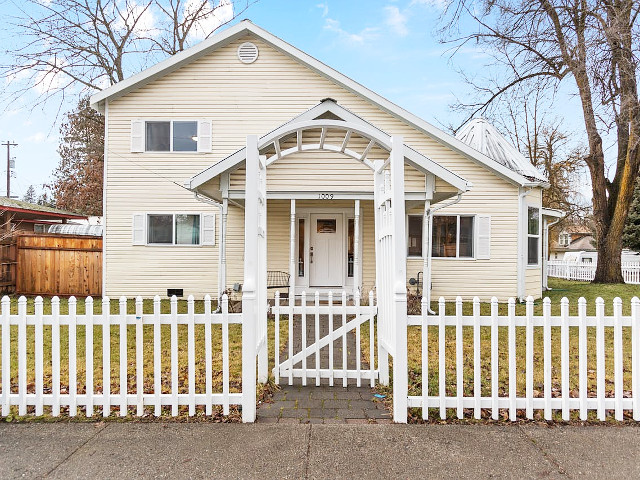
(278,279)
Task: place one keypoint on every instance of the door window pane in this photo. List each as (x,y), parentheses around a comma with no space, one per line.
(187,229)
(326,225)
(185,136)
(444,236)
(415,236)
(466,237)
(160,229)
(157,136)
(301,247)
(350,247)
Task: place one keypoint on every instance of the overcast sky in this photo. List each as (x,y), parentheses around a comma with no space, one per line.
(389,46)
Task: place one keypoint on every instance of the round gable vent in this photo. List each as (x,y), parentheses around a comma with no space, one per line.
(248,52)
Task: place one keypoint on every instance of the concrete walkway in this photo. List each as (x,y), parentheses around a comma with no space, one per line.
(205,450)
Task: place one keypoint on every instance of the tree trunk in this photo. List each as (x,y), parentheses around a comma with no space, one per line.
(609,267)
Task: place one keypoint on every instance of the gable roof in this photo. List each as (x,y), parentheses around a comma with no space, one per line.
(485,138)
(335,115)
(244,28)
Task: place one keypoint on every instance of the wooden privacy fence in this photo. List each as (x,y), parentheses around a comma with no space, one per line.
(58,265)
(587,271)
(60,387)
(596,336)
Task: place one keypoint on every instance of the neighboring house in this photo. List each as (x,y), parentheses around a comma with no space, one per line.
(576,243)
(321,134)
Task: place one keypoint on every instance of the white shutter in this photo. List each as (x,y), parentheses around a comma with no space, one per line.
(483,243)
(139,229)
(137,136)
(208,229)
(204,136)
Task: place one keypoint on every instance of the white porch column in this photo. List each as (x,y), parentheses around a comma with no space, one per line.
(400,367)
(357,281)
(222,276)
(426,252)
(249,294)
(293,261)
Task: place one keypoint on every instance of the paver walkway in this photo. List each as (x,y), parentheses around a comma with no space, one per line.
(323,404)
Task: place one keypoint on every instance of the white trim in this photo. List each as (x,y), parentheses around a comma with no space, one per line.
(104,197)
(245,27)
(533,266)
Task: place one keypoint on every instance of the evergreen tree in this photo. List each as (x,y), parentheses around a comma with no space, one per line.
(30,195)
(631,236)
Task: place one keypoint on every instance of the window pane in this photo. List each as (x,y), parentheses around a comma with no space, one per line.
(187,229)
(534,222)
(184,134)
(532,251)
(301,247)
(415,236)
(466,236)
(326,225)
(157,134)
(444,236)
(350,247)
(160,229)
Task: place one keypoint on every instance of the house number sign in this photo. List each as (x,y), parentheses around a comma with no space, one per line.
(325,196)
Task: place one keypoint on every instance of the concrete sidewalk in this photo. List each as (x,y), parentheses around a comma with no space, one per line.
(204,450)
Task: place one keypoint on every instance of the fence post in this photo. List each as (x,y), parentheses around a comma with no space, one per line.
(139,358)
(635,357)
(6,355)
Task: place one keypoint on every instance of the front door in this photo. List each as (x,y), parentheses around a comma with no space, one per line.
(326,258)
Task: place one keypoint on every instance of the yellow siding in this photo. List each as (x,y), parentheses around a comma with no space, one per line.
(243,99)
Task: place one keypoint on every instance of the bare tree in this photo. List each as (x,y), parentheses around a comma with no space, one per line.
(591,46)
(79,46)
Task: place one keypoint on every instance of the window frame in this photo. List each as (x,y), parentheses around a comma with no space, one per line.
(171,150)
(458,215)
(538,236)
(173,230)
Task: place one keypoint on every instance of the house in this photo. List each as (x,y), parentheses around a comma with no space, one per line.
(576,243)
(176,144)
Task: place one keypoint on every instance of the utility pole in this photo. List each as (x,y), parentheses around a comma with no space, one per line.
(9,144)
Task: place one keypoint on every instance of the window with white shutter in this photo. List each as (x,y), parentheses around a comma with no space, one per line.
(483,250)
(208,229)
(138,229)
(204,136)
(137,136)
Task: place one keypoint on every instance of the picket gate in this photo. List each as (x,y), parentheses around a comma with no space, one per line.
(335,368)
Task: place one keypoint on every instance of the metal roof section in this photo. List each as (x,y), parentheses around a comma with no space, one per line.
(75,229)
(15,205)
(246,27)
(485,138)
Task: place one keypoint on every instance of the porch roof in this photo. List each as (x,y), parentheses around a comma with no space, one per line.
(328,115)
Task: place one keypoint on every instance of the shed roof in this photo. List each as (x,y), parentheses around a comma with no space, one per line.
(14,205)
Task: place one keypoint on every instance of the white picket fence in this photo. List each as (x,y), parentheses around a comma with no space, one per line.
(565,399)
(129,395)
(587,271)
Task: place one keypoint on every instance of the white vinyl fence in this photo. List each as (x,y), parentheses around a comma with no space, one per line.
(585,383)
(56,392)
(587,271)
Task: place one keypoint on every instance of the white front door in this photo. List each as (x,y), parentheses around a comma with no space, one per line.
(326,259)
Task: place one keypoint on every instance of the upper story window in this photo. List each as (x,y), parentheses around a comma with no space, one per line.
(533,235)
(564,239)
(452,237)
(171,136)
